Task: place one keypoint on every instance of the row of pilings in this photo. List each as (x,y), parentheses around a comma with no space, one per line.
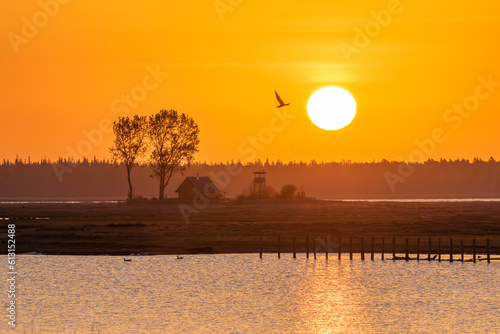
(419,249)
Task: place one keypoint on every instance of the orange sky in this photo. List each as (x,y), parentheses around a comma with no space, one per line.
(74,71)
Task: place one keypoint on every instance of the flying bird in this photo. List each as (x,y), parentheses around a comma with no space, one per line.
(282,104)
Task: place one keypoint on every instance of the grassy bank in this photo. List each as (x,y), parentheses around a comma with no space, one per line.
(234,227)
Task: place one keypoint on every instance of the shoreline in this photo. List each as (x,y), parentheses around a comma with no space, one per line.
(120,200)
(236,227)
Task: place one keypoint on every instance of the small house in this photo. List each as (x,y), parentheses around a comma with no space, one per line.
(201,185)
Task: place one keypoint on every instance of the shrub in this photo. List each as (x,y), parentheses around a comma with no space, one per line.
(288,191)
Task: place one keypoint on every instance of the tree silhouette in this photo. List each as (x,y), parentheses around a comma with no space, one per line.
(129,144)
(174,141)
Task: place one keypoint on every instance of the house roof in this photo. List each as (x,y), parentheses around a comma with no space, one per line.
(203,184)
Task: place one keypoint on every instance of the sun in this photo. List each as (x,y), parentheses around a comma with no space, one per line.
(331,108)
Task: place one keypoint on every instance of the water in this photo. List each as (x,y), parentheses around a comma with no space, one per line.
(420,200)
(397,200)
(239,293)
(62,202)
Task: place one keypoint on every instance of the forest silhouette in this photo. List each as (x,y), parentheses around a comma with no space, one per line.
(99,179)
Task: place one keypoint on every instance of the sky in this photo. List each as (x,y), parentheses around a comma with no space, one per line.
(425,76)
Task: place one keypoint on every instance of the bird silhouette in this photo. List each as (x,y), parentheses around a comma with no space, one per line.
(282,104)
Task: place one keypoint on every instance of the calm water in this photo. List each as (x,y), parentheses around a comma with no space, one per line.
(239,293)
(400,200)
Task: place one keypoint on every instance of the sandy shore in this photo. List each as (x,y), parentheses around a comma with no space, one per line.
(236,227)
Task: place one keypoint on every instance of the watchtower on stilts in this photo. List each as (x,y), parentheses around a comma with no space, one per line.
(259,184)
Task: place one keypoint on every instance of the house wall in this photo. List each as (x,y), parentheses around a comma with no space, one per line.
(186,194)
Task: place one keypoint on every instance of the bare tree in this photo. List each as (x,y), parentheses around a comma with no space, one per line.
(129,144)
(174,141)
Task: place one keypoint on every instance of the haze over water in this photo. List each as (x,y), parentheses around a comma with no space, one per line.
(239,293)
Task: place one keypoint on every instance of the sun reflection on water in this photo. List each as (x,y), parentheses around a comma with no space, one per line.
(239,293)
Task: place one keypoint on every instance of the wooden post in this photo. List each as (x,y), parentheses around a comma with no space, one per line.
(350,248)
(314,247)
(407,255)
(279,247)
(373,248)
(383,249)
(462,250)
(451,249)
(473,250)
(294,253)
(326,248)
(488,249)
(261,246)
(418,249)
(307,246)
(393,248)
(340,248)
(430,249)
(439,250)
(362,249)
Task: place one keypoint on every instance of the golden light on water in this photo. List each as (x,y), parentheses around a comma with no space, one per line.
(334,298)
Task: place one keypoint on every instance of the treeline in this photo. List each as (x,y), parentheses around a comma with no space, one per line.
(258,162)
(97,179)
(47,161)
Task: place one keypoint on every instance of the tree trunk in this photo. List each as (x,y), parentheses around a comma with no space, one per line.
(130,194)
(162,187)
